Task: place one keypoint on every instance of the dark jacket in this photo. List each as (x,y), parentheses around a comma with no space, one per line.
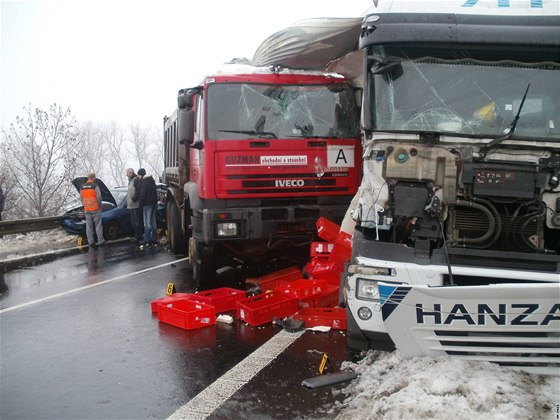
(146,192)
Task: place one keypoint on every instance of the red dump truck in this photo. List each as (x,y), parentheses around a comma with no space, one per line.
(253,157)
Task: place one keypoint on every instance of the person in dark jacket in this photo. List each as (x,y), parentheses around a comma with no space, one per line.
(136,216)
(146,196)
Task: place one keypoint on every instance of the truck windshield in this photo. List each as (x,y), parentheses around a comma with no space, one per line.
(466,91)
(238,110)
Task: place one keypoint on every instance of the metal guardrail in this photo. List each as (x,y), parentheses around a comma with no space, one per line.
(9,227)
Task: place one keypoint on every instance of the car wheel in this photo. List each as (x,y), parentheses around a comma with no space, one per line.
(177,241)
(111,230)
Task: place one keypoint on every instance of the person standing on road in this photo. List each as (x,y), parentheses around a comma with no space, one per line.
(136,216)
(91,198)
(147,198)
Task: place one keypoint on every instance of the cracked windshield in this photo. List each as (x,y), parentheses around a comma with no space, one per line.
(419,92)
(238,110)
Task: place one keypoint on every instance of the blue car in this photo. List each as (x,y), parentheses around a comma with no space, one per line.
(115,216)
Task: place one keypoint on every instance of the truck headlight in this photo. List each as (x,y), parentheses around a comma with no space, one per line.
(367,289)
(226,229)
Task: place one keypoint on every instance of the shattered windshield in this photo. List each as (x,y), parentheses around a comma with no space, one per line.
(240,110)
(470,92)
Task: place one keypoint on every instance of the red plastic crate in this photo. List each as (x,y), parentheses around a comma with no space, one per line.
(324,270)
(261,309)
(321,249)
(328,298)
(164,300)
(302,288)
(335,318)
(327,230)
(222,299)
(269,281)
(342,250)
(187,314)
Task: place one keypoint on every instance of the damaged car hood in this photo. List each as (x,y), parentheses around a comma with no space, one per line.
(105,193)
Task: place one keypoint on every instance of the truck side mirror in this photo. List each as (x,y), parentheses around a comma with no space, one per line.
(185,126)
(184,99)
(391,67)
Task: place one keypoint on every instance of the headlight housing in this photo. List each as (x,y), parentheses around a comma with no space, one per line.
(226,229)
(367,289)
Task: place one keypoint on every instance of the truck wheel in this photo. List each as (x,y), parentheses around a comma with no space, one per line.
(203,263)
(177,241)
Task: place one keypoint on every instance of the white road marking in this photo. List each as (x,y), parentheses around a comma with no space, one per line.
(202,405)
(89,286)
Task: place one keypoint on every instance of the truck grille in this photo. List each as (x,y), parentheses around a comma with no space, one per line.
(274,183)
(534,352)
(284,214)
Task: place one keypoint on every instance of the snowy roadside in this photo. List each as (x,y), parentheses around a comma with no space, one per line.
(390,386)
(40,242)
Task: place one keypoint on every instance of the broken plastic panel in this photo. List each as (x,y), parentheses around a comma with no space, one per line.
(329,379)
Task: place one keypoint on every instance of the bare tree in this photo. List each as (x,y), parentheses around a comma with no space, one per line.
(41,156)
(8,184)
(93,149)
(154,156)
(140,141)
(113,137)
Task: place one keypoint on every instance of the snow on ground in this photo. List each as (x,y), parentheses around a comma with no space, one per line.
(390,386)
(19,245)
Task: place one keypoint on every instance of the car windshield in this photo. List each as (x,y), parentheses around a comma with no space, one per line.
(281,111)
(467,91)
(120,196)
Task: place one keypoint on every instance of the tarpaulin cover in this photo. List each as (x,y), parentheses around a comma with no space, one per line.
(310,44)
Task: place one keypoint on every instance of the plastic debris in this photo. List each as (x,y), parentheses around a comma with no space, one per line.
(320,328)
(224,318)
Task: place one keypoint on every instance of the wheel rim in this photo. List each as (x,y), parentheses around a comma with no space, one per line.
(112,231)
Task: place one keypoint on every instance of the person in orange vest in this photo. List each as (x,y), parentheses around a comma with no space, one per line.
(91,197)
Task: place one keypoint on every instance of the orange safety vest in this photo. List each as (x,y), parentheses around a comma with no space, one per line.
(89,197)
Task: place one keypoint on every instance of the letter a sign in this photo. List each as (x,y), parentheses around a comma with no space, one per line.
(340,156)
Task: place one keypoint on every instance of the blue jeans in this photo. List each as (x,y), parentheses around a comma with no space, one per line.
(150,223)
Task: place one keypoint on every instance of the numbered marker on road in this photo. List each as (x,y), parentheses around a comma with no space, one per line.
(170,289)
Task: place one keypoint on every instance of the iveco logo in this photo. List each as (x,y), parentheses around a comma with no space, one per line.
(289,183)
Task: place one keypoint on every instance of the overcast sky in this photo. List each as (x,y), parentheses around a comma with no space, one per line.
(125,60)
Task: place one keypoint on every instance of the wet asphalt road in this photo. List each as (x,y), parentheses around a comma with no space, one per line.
(96,351)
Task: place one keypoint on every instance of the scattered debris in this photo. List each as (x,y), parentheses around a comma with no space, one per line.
(224,318)
(307,301)
(289,324)
(320,328)
(329,379)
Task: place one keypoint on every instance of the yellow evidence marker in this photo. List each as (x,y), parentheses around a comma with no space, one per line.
(170,289)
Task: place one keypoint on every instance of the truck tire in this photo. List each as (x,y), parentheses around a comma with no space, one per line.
(203,263)
(176,237)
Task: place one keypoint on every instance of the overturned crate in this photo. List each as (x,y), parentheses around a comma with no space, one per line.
(222,299)
(187,314)
(262,309)
(336,318)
